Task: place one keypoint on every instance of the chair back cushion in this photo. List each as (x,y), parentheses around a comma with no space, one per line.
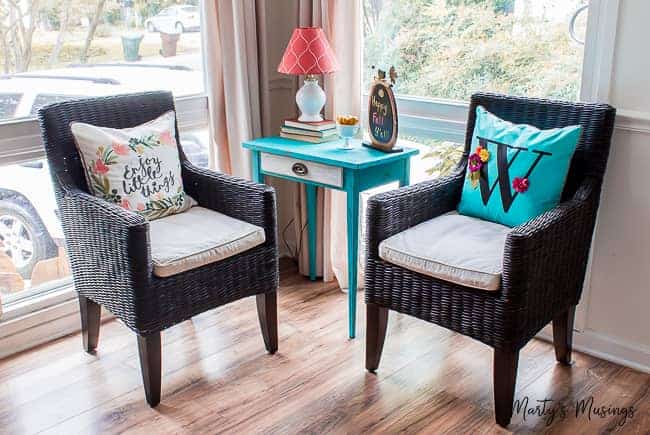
(137,168)
(119,111)
(596,120)
(516,171)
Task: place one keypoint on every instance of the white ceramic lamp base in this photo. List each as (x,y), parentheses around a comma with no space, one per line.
(310,99)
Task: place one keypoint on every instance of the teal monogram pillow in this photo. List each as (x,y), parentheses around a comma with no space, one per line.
(515,171)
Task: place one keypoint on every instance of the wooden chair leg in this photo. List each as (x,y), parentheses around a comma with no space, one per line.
(563,335)
(376,323)
(267,311)
(90,319)
(505,378)
(150,364)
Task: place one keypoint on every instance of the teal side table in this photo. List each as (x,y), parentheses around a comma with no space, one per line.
(325,165)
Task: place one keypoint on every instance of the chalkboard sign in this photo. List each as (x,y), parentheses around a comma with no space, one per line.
(382,115)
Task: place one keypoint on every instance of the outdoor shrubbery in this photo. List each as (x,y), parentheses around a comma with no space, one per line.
(452,48)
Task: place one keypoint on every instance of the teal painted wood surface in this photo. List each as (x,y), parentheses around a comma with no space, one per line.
(363,168)
(328,153)
(258,177)
(352,188)
(312,208)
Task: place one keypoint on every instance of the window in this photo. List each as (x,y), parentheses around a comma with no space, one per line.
(8,104)
(95,48)
(444,50)
(80,49)
(32,254)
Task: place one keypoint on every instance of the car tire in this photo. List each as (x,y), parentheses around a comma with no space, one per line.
(179,27)
(20,222)
(150,27)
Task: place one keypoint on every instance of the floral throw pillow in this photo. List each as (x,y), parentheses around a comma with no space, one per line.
(137,168)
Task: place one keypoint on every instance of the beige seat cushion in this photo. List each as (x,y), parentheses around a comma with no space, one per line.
(197,237)
(452,247)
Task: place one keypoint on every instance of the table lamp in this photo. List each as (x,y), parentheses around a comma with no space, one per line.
(308,53)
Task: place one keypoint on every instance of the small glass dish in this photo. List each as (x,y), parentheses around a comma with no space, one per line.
(347,132)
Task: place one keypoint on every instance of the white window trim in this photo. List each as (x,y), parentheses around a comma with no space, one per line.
(600,40)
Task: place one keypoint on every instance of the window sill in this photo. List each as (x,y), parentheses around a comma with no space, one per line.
(36,303)
(34,321)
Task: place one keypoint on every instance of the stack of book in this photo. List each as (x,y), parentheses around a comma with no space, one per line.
(314,132)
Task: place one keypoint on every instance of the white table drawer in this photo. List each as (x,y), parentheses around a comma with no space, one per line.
(301,169)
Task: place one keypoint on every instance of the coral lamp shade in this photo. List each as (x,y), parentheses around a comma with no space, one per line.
(308,52)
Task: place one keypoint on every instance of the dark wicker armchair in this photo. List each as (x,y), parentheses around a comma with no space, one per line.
(109,247)
(544,260)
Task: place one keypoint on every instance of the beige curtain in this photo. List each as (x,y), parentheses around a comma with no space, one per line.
(235,50)
(341,21)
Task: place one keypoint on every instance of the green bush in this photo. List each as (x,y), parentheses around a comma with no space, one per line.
(452,48)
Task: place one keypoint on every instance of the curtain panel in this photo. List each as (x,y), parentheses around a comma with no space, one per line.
(235,50)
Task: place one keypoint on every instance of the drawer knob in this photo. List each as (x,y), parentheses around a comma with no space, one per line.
(299,169)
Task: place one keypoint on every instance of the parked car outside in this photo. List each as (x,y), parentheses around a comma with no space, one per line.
(30,230)
(175,19)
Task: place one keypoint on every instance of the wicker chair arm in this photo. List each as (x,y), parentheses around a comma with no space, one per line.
(557,220)
(233,196)
(392,212)
(93,204)
(548,254)
(108,248)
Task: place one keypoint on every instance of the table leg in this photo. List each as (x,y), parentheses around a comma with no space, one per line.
(353,248)
(312,207)
(405,179)
(256,167)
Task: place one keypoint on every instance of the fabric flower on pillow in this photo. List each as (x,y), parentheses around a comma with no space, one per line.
(484,154)
(520,184)
(475,163)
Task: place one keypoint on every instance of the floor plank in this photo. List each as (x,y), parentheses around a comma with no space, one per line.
(217,378)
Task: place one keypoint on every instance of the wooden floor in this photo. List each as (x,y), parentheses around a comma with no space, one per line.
(217,378)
